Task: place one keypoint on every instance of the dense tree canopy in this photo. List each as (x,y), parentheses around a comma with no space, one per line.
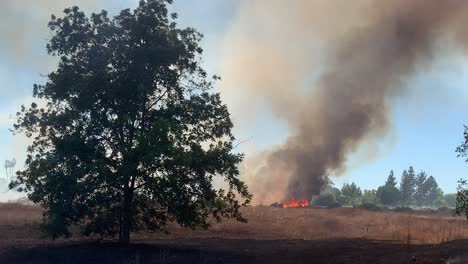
(369,197)
(462,191)
(391,180)
(389,194)
(325,199)
(407,186)
(350,194)
(422,191)
(132,136)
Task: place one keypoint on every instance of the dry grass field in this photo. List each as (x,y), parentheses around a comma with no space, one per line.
(322,223)
(266,222)
(13,214)
(272,235)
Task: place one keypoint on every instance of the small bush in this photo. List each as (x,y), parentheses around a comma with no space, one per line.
(334,205)
(370,207)
(325,199)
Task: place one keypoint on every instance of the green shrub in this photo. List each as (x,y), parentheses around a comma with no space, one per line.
(334,205)
(325,199)
(370,207)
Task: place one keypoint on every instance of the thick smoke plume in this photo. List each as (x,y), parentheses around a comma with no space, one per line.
(24,27)
(275,51)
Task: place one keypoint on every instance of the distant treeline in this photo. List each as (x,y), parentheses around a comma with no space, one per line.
(414,190)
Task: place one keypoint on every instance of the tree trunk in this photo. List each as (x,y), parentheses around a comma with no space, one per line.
(126,227)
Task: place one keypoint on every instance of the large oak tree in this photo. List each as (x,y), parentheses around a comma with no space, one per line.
(132,134)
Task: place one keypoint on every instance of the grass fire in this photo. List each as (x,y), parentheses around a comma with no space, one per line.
(332,134)
(293,203)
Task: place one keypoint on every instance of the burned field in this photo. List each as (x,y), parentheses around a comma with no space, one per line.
(272,235)
(240,251)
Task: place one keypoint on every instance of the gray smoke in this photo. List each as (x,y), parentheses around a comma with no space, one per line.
(24,28)
(372,46)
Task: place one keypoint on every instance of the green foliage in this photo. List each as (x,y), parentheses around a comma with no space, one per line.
(420,190)
(391,180)
(132,135)
(328,195)
(388,194)
(440,200)
(334,205)
(325,199)
(407,186)
(432,191)
(370,207)
(350,194)
(331,189)
(462,150)
(427,190)
(461,207)
(369,197)
(450,199)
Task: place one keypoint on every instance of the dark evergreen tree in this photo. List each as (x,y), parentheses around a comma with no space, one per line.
(350,194)
(407,187)
(389,194)
(391,180)
(421,191)
(432,191)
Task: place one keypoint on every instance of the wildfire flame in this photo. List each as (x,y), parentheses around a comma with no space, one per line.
(294,203)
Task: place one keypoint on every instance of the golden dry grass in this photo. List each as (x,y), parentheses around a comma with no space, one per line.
(317,223)
(14,214)
(294,223)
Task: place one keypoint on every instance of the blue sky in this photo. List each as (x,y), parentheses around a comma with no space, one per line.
(427,123)
(427,131)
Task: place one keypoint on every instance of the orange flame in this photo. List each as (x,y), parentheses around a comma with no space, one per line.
(294,203)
